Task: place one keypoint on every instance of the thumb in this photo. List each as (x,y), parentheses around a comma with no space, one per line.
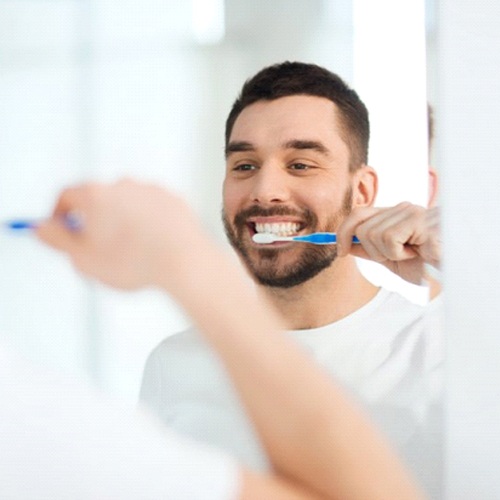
(55,234)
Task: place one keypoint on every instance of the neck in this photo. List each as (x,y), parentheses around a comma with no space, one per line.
(330,296)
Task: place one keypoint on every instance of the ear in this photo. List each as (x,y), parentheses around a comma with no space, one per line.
(364,187)
(433,187)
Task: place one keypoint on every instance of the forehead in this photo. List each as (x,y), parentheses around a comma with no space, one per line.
(286,118)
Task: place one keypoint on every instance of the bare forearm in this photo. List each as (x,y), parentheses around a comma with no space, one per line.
(311,432)
(313,435)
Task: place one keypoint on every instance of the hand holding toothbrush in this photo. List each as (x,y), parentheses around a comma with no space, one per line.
(402,238)
(132,234)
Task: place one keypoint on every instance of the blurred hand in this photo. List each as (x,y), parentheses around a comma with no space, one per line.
(132,235)
(401,238)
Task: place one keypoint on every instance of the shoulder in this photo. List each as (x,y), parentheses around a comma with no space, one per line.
(410,316)
(407,328)
(182,358)
(189,338)
(421,328)
(388,314)
(187,343)
(395,302)
(172,356)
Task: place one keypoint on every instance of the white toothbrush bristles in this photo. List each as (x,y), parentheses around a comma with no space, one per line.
(265,238)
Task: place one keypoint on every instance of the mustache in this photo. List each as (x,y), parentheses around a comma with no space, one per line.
(279,210)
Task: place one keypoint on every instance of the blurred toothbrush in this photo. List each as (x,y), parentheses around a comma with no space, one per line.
(315,238)
(20,224)
(72,221)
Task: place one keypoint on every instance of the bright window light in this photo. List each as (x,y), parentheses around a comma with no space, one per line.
(208,21)
(390,76)
(389,73)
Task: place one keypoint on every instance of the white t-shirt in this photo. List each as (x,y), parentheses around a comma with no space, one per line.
(384,354)
(60,440)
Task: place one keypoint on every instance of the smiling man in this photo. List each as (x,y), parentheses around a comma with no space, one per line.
(290,170)
(296,163)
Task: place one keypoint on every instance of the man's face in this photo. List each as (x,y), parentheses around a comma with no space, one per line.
(287,172)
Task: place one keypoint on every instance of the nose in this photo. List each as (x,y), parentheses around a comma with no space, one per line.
(270,185)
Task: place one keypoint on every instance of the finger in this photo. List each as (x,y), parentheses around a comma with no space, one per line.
(54,233)
(347,229)
(367,224)
(74,199)
(433,218)
(359,251)
(431,249)
(390,233)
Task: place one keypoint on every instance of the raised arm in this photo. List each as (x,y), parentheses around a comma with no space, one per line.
(320,444)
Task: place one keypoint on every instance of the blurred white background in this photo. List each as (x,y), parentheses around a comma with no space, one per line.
(100,89)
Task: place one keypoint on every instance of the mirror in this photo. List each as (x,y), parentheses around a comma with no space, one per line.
(111,88)
(106,89)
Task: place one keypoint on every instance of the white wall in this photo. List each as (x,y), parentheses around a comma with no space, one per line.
(468,119)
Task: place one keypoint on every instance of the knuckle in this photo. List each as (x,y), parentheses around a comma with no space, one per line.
(404,205)
(390,237)
(417,211)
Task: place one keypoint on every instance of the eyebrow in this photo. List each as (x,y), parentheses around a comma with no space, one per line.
(301,144)
(238,146)
(306,144)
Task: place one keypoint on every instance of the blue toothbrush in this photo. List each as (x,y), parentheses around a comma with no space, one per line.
(20,224)
(72,221)
(315,238)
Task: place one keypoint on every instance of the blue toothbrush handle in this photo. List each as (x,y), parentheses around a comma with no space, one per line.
(72,221)
(21,224)
(321,238)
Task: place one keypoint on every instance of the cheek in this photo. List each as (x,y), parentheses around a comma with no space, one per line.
(330,201)
(232,197)
(325,197)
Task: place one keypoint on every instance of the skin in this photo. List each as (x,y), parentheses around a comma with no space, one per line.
(262,170)
(395,237)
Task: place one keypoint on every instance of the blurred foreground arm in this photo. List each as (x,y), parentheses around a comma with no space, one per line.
(320,444)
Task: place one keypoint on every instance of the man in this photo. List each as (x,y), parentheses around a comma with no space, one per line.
(58,440)
(296,163)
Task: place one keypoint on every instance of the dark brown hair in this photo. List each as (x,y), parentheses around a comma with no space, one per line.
(296,78)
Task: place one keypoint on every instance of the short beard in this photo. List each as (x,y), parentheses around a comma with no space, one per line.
(314,259)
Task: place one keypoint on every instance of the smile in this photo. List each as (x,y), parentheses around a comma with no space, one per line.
(277,228)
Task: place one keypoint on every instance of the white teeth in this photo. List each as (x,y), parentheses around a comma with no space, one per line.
(278,228)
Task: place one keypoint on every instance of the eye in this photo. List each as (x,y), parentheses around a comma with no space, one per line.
(244,167)
(300,166)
